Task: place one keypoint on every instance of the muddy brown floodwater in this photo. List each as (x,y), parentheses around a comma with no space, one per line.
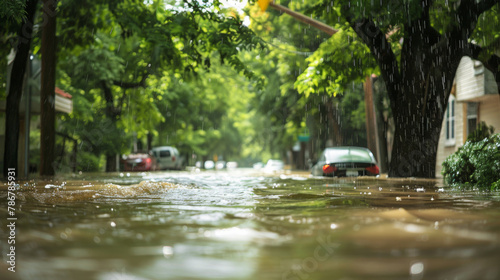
(242,224)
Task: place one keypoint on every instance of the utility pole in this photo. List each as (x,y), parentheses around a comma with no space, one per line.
(371,124)
(305,19)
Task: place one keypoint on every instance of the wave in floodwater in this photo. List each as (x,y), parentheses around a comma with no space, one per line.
(51,193)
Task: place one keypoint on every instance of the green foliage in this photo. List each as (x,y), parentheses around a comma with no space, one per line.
(13,10)
(206,115)
(88,162)
(476,164)
(482,131)
(335,65)
(161,61)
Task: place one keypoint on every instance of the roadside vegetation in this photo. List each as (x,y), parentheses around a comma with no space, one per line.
(477,162)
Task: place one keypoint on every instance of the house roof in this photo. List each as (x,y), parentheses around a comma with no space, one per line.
(62,93)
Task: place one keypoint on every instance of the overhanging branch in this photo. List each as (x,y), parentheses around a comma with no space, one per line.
(468,14)
(129,85)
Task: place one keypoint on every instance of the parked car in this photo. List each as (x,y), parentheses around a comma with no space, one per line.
(274,165)
(258,165)
(232,165)
(167,158)
(209,164)
(220,165)
(346,161)
(138,162)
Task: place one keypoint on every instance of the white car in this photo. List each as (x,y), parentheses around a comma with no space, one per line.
(232,165)
(209,164)
(274,165)
(167,158)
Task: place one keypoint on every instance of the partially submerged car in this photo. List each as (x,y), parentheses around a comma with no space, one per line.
(346,161)
(138,162)
(167,158)
(274,165)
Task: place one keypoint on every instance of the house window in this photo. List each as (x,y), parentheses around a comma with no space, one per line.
(450,122)
(472,117)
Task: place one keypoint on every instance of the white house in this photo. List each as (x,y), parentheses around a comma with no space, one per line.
(474,99)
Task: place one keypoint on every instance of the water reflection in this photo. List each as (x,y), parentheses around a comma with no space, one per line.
(242,225)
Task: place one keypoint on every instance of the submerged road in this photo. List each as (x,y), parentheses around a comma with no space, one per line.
(246,224)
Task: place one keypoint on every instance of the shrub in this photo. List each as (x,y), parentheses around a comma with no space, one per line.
(475,164)
(88,162)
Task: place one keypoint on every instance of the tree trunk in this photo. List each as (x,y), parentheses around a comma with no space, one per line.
(416,139)
(111,163)
(418,110)
(149,141)
(47,92)
(16,87)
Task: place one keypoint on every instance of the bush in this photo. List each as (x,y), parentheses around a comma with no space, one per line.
(475,164)
(87,162)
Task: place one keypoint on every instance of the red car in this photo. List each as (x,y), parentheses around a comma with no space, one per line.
(139,162)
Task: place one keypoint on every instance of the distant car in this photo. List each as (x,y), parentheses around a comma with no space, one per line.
(220,165)
(346,161)
(209,164)
(167,158)
(258,165)
(273,165)
(232,165)
(138,162)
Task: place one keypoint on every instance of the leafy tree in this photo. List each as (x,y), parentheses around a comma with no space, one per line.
(417,46)
(138,50)
(16,35)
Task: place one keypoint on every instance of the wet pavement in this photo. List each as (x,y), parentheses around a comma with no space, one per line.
(245,224)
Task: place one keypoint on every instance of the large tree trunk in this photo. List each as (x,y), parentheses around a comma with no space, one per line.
(47,92)
(418,89)
(16,88)
(415,144)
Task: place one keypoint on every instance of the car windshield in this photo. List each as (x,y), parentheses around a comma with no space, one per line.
(348,155)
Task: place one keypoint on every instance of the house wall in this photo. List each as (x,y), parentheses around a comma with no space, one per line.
(469,79)
(446,148)
(472,85)
(489,111)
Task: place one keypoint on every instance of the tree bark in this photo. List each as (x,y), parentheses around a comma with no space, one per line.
(47,92)
(16,88)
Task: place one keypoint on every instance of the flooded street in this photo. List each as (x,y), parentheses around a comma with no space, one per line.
(242,224)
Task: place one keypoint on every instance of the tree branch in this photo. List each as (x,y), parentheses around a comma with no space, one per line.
(485,5)
(468,13)
(128,85)
(111,111)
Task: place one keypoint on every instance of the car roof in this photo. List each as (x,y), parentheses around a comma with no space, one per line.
(164,148)
(349,154)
